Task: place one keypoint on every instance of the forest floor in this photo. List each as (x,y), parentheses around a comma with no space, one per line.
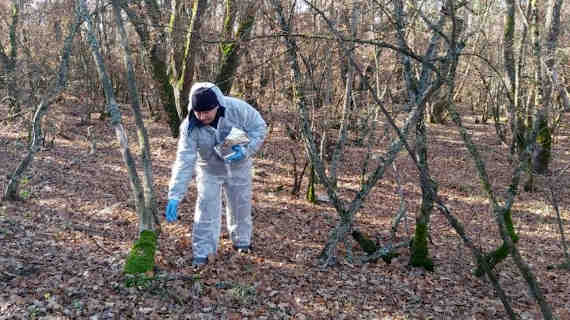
(63,249)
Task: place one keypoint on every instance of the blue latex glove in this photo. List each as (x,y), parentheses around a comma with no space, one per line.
(172,210)
(237,155)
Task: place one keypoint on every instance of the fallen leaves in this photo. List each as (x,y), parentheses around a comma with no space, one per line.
(63,250)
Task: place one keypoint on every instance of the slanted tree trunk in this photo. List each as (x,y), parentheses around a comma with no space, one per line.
(153,40)
(12,189)
(519,140)
(232,48)
(553,183)
(501,214)
(460,230)
(149,214)
(182,59)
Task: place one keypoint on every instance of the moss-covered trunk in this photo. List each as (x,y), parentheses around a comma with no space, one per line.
(541,154)
(160,76)
(141,256)
(501,253)
(419,249)
(420,252)
(153,41)
(182,59)
(143,252)
(311,196)
(231,49)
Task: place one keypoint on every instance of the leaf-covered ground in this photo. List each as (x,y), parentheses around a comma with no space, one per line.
(62,250)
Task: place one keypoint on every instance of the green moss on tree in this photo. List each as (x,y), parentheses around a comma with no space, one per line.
(420,253)
(365,243)
(370,246)
(311,197)
(496,256)
(160,74)
(141,257)
(542,155)
(510,226)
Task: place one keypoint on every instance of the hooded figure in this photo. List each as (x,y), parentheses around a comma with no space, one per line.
(211,118)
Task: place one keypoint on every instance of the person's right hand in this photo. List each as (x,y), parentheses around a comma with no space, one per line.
(172,210)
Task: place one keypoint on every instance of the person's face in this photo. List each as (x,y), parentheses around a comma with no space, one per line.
(206,117)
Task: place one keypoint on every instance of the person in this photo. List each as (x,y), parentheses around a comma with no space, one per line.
(211,116)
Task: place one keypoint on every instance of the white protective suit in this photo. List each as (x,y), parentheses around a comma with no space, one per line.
(196,157)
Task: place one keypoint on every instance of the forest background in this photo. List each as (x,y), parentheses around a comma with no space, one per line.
(416,163)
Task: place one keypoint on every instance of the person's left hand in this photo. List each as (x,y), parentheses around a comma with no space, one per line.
(237,155)
(172,210)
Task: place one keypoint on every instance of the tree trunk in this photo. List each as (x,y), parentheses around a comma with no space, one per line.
(542,153)
(346,211)
(420,251)
(496,256)
(154,42)
(460,230)
(182,59)
(502,216)
(143,253)
(9,60)
(149,214)
(311,195)
(555,200)
(232,50)
(416,87)
(511,76)
(347,109)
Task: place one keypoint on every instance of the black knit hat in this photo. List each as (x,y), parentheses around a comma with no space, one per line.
(204,99)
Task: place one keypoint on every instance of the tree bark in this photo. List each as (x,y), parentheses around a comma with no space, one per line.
(154,41)
(141,258)
(181,65)
(232,48)
(148,216)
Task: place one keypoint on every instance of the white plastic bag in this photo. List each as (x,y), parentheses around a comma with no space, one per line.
(236,136)
(224,149)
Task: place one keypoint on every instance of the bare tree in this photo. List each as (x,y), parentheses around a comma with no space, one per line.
(553,194)
(141,258)
(502,214)
(8,60)
(12,189)
(232,47)
(148,215)
(347,210)
(182,46)
(148,25)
